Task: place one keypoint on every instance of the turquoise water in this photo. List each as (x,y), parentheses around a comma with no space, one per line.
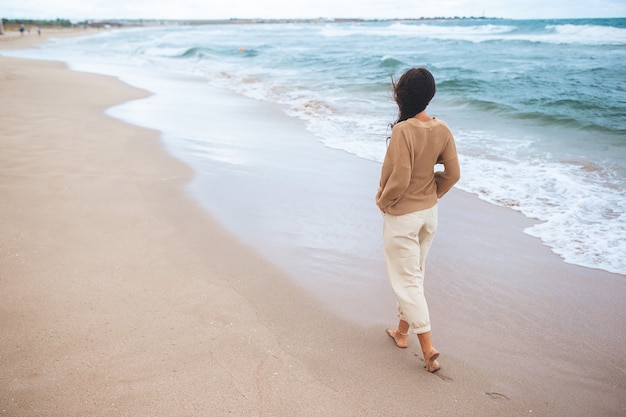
(538,107)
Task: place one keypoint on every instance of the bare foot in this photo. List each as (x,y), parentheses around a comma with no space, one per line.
(399,338)
(431,361)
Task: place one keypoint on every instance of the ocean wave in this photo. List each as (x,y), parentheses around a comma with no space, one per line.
(450,31)
(570,33)
(554,34)
(564,113)
(391,62)
(586,34)
(195,52)
(581,206)
(422,30)
(461,86)
(162,51)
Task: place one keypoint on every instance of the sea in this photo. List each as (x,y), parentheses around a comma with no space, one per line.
(537,107)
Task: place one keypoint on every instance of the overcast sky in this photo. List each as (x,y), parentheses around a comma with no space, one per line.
(379,9)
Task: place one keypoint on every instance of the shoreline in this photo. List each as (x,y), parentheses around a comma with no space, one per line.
(561,226)
(126,293)
(14,40)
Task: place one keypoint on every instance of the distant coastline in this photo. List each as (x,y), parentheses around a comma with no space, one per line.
(14,24)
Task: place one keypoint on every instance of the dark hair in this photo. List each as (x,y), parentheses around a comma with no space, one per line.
(413,92)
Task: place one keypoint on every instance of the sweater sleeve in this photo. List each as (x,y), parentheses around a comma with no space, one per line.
(396,172)
(452,171)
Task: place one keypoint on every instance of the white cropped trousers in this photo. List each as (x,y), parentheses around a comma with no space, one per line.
(407,240)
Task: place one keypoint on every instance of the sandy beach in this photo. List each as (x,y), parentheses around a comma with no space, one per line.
(123,296)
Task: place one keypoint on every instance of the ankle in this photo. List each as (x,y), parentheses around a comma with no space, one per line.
(427,354)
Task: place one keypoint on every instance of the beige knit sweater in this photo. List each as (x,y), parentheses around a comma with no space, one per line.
(408,181)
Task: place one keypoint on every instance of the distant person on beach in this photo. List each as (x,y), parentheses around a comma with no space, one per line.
(407,196)
(21,30)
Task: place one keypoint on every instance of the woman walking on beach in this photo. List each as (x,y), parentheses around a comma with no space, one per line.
(407,196)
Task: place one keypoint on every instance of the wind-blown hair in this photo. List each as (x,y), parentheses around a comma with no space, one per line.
(413,92)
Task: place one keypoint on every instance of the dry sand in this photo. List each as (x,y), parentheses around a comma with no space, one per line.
(121,297)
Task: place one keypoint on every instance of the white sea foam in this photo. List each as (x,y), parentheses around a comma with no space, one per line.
(558,34)
(587,34)
(582,216)
(433,31)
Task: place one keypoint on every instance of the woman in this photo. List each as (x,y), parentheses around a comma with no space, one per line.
(407,196)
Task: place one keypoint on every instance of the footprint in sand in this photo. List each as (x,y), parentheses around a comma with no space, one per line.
(443,377)
(497,396)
